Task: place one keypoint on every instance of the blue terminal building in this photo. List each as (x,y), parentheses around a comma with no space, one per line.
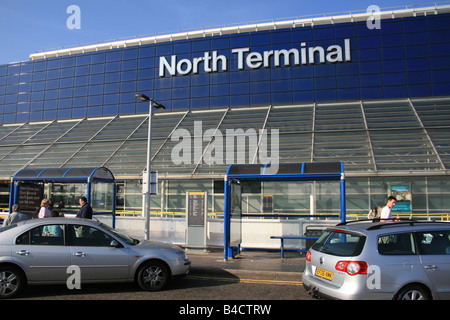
(333,88)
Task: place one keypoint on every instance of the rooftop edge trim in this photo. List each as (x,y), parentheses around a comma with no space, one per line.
(241,29)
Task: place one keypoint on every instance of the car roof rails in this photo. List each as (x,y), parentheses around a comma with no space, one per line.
(396,222)
(372,221)
(389,222)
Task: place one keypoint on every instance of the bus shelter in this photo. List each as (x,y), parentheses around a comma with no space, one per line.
(64,186)
(237,173)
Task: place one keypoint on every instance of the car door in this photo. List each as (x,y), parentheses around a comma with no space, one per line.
(92,252)
(434,249)
(399,260)
(44,254)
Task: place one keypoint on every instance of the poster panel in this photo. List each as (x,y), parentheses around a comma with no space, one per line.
(29,197)
(402,192)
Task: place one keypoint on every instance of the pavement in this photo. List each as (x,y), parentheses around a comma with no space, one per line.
(249,263)
(259,264)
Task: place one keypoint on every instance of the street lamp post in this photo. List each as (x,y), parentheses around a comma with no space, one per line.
(146,203)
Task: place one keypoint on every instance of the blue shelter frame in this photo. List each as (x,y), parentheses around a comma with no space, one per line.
(90,176)
(330,171)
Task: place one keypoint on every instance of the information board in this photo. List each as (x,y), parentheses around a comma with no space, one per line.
(196,209)
(29,197)
(196,217)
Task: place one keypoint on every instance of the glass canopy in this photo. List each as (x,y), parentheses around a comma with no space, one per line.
(370,137)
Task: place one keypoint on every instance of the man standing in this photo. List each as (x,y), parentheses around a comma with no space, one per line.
(15,216)
(85,210)
(386,212)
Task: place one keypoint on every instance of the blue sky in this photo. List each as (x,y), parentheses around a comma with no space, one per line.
(27,26)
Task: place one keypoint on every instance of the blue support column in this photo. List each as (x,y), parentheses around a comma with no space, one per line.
(343,205)
(226,222)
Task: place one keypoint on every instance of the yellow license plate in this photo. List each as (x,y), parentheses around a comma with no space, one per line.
(324,274)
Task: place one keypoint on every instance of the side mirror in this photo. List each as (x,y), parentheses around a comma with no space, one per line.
(115,244)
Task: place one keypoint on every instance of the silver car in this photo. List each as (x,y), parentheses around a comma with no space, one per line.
(49,251)
(403,260)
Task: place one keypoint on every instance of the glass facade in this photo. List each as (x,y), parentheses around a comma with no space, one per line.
(430,197)
(407,57)
(379,102)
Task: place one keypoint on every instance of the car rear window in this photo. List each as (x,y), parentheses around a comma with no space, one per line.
(340,243)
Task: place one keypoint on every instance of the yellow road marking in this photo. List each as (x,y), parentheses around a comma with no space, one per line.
(261,281)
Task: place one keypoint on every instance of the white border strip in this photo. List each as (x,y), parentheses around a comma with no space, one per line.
(241,29)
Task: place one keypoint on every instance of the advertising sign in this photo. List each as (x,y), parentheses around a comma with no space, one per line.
(402,192)
(30,196)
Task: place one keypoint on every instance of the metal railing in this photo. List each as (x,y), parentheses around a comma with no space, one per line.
(442,216)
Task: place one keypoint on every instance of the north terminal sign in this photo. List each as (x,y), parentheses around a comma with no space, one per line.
(213,62)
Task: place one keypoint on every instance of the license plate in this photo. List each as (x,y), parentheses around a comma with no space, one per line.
(324,274)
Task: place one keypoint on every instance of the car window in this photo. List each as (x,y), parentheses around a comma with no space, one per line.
(396,244)
(23,238)
(52,235)
(89,236)
(434,242)
(340,244)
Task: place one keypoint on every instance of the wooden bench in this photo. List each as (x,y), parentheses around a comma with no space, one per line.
(282,238)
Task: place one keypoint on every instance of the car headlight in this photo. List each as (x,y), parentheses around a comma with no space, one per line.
(183,255)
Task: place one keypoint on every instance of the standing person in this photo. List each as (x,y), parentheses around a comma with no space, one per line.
(85,210)
(380,208)
(15,216)
(372,214)
(386,212)
(44,212)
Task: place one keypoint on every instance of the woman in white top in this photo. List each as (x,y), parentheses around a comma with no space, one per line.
(44,212)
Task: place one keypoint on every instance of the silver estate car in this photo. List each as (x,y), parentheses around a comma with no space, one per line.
(40,251)
(402,260)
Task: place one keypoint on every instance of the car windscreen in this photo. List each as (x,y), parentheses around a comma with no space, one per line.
(340,243)
(121,235)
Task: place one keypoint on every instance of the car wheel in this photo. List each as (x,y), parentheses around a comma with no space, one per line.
(11,282)
(414,292)
(153,276)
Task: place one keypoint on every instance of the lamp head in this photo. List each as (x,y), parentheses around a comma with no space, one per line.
(158,105)
(142,97)
(154,104)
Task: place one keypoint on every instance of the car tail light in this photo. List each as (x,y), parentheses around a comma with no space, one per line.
(352,267)
(308,256)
